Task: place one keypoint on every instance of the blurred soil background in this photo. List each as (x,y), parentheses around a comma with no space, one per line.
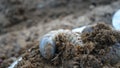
(24,21)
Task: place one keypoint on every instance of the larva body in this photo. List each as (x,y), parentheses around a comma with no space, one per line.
(47,43)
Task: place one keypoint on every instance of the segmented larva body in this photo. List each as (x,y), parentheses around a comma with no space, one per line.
(48,46)
(70,36)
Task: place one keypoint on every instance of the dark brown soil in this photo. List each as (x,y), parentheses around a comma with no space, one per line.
(24,21)
(97,43)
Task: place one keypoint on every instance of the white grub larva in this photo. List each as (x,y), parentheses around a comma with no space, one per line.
(47,44)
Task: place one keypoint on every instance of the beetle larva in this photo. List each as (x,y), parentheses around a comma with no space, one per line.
(47,43)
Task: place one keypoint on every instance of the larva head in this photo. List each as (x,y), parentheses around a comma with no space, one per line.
(47,47)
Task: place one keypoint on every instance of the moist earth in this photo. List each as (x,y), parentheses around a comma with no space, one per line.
(96,52)
(23,22)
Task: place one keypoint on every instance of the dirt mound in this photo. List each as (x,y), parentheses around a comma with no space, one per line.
(25,21)
(101,47)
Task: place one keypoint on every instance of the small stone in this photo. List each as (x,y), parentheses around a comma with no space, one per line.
(116,20)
